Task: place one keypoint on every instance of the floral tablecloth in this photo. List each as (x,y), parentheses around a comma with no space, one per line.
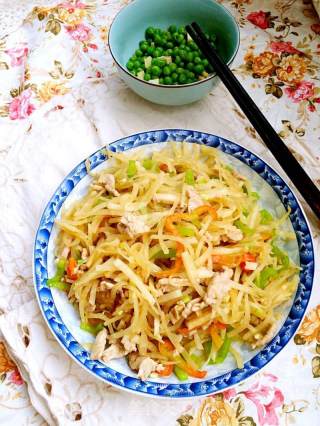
(60,99)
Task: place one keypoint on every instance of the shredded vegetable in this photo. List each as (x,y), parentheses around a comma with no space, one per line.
(170,260)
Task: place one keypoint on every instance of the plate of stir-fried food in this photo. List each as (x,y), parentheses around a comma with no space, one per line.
(173,263)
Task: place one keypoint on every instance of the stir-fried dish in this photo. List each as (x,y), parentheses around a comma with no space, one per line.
(172,262)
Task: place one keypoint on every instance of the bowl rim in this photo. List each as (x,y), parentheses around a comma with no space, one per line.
(176,86)
(204,387)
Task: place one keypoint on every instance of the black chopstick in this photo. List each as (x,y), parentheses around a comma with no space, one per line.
(278,148)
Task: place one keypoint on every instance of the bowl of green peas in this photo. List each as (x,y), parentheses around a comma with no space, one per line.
(156,57)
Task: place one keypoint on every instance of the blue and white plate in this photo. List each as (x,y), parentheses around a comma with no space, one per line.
(63,319)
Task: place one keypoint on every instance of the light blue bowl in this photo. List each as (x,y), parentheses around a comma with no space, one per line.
(128,29)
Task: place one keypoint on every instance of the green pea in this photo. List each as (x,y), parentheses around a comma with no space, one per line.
(197,60)
(147,76)
(182,78)
(173,66)
(138,53)
(158,40)
(182,30)
(166,70)
(189,81)
(198,69)
(178,60)
(158,62)
(130,65)
(191,75)
(155,71)
(175,36)
(190,66)
(193,45)
(136,71)
(189,56)
(150,50)
(167,80)
(150,32)
(158,52)
(161,80)
(204,62)
(174,77)
(180,39)
(143,45)
(172,29)
(170,45)
(168,52)
(182,54)
(175,51)
(180,70)
(187,48)
(136,64)
(133,58)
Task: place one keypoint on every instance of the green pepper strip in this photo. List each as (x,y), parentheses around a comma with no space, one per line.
(148,164)
(264,276)
(223,351)
(132,169)
(55,281)
(184,231)
(244,228)
(186,298)
(198,359)
(189,177)
(161,255)
(207,346)
(266,217)
(281,255)
(58,284)
(255,195)
(93,329)
(181,374)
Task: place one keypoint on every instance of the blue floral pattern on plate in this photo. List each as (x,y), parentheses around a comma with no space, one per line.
(204,387)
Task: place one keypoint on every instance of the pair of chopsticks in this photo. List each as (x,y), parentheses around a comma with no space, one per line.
(280,151)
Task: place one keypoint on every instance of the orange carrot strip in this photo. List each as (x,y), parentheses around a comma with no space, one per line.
(170,220)
(167,371)
(191,371)
(71,268)
(219,325)
(184,331)
(216,339)
(164,167)
(174,270)
(226,260)
(166,348)
(205,209)
(247,257)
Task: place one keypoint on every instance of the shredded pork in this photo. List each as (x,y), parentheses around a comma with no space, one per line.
(194,199)
(134,224)
(99,344)
(219,286)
